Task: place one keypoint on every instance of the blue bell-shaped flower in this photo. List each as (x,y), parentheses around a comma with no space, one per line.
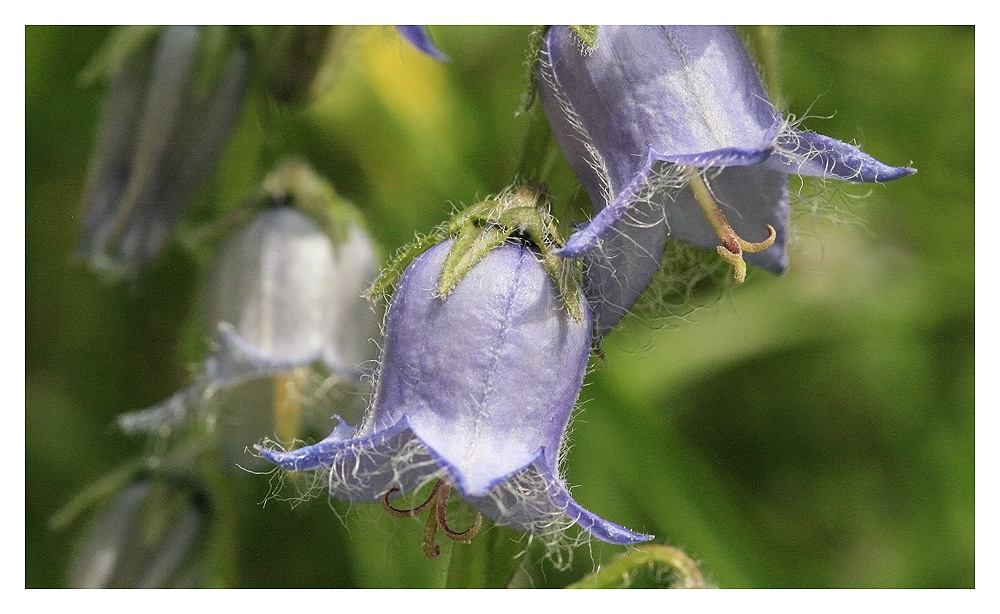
(671,132)
(475,389)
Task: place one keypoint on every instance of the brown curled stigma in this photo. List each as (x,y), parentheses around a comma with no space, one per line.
(436,519)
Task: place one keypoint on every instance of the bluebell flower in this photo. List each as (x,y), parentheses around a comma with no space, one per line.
(671,132)
(475,390)
(281,296)
(419,37)
(164,127)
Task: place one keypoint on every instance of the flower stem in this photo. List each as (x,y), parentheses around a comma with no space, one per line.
(665,567)
(539,149)
(489,561)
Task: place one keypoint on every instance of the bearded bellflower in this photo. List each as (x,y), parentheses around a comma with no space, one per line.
(282,295)
(171,105)
(670,131)
(474,392)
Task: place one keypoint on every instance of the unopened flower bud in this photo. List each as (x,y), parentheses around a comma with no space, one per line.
(161,135)
(151,536)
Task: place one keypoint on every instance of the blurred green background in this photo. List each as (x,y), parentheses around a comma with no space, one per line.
(809,430)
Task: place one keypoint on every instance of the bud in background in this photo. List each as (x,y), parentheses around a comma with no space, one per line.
(173,100)
(284,308)
(153,535)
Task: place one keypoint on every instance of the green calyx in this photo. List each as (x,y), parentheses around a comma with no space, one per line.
(523,213)
(296,182)
(291,183)
(587,35)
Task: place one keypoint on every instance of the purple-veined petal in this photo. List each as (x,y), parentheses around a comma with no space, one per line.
(629,249)
(617,274)
(644,189)
(452,363)
(672,89)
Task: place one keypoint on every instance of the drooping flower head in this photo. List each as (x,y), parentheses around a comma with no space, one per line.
(283,294)
(671,132)
(162,132)
(475,389)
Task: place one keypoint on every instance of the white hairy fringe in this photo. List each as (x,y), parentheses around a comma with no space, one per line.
(522,501)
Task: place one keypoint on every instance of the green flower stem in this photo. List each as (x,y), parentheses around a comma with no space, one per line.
(97,493)
(488,561)
(223,543)
(539,149)
(650,566)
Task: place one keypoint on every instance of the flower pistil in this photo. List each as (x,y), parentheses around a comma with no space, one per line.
(733,245)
